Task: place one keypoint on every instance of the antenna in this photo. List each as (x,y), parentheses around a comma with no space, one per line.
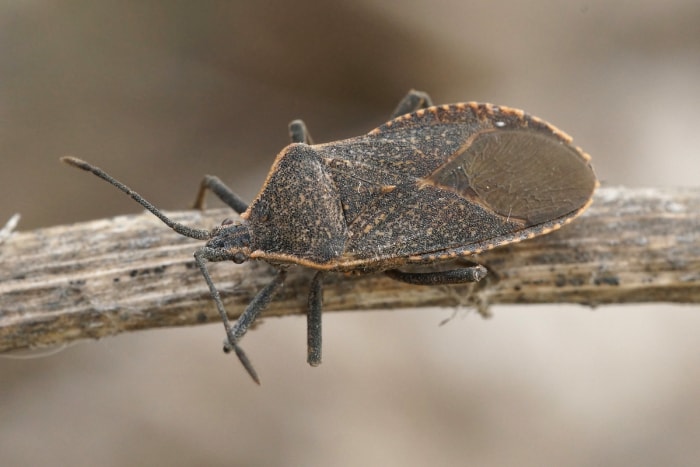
(198,234)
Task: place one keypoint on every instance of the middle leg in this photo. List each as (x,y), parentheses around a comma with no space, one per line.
(313,320)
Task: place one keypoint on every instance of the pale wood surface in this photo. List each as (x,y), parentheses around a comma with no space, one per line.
(108,276)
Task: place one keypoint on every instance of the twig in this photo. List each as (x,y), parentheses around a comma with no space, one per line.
(114,275)
(9,227)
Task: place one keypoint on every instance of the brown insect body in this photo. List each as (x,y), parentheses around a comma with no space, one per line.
(433,184)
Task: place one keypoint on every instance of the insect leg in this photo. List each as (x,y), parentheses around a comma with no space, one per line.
(223,192)
(454,276)
(235,332)
(248,317)
(413,101)
(298,132)
(257,305)
(313,320)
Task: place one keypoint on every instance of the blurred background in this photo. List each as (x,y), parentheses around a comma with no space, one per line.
(161,93)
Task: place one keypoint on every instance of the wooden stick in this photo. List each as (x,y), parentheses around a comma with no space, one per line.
(109,276)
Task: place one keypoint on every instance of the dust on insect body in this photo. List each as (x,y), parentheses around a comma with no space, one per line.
(433,184)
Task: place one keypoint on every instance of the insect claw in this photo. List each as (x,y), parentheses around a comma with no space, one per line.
(246,363)
(228,346)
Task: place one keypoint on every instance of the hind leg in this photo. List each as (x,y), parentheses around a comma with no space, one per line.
(454,276)
(298,132)
(413,101)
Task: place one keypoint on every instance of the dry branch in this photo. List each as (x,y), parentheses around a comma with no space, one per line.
(114,275)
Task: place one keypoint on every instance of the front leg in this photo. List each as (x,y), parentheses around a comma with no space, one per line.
(297,134)
(235,332)
(223,192)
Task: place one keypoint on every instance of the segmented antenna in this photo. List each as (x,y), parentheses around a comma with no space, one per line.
(199,234)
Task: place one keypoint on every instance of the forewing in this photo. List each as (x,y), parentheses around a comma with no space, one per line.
(411,221)
(451,176)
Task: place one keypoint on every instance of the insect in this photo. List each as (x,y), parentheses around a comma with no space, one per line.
(432,184)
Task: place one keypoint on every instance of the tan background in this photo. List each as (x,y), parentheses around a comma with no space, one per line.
(161,93)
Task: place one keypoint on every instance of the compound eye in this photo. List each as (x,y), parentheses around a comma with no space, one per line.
(239,258)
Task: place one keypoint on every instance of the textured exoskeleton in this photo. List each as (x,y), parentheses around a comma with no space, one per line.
(435,183)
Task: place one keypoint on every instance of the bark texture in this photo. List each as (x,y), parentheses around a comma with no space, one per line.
(109,276)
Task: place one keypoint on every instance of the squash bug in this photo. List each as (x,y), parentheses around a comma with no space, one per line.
(434,183)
